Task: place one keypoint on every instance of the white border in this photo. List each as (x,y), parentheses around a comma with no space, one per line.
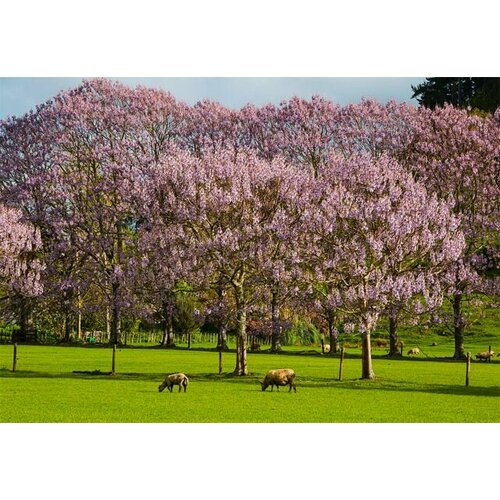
(258,38)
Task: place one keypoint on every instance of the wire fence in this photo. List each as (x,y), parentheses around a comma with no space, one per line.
(153,337)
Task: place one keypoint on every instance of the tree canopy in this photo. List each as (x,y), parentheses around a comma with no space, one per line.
(115,197)
(482,93)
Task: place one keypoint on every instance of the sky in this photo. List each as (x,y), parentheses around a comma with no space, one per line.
(19,95)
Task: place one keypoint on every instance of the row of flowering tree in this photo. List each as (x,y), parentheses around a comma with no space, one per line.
(356,211)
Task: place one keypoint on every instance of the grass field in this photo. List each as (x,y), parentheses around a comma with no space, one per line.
(429,389)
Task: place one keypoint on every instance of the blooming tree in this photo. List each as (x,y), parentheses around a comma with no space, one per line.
(20,263)
(26,146)
(375,129)
(20,243)
(109,137)
(210,127)
(382,236)
(308,131)
(303,131)
(74,166)
(163,260)
(229,207)
(456,155)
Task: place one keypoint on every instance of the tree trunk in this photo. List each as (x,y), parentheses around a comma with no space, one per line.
(24,317)
(275,322)
(115,287)
(393,333)
(79,317)
(241,333)
(333,334)
(66,328)
(222,338)
(115,313)
(367,369)
(459,326)
(67,302)
(222,334)
(168,327)
(79,325)
(108,324)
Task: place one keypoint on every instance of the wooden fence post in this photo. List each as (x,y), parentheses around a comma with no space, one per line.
(113,360)
(467,370)
(341,363)
(322,346)
(220,361)
(402,344)
(14,359)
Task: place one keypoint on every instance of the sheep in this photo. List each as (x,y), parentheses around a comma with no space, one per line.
(284,376)
(381,343)
(413,350)
(174,379)
(485,355)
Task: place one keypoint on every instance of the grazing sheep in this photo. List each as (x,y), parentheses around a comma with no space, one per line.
(413,350)
(381,343)
(284,376)
(326,347)
(485,355)
(175,379)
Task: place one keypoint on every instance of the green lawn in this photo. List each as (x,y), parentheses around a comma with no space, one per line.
(430,389)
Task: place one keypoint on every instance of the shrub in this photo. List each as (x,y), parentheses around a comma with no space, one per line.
(301,332)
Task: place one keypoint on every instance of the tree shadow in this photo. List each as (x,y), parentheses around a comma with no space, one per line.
(253,379)
(403,386)
(126,376)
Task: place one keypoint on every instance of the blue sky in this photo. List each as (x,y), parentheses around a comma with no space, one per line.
(19,95)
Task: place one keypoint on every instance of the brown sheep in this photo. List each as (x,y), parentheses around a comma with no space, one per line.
(284,376)
(413,351)
(485,355)
(175,379)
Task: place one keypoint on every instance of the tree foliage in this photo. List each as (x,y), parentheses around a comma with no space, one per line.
(114,200)
(482,93)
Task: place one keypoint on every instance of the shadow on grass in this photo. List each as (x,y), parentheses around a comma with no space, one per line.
(254,380)
(399,386)
(126,376)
